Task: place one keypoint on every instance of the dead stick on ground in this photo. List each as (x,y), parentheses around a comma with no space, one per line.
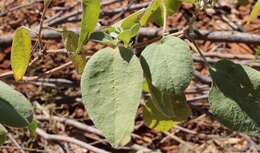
(56,69)
(53,137)
(214,36)
(12,139)
(179,140)
(71,122)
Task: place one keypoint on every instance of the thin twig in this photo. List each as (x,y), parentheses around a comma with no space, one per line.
(25,149)
(12,139)
(71,122)
(19,7)
(32,78)
(179,140)
(185,130)
(109,2)
(214,36)
(195,47)
(164,18)
(53,137)
(42,21)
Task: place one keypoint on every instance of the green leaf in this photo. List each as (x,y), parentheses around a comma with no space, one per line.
(129,21)
(235,96)
(169,61)
(15,109)
(172,6)
(156,120)
(103,37)
(79,61)
(255,11)
(70,40)
(154,13)
(47,2)
(125,29)
(168,71)
(21,52)
(243,2)
(127,35)
(146,87)
(90,15)
(32,127)
(2,135)
(111,86)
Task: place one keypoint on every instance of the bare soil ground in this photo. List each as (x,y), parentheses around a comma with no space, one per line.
(59,95)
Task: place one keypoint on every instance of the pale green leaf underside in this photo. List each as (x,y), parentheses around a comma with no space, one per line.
(20,52)
(170,64)
(15,109)
(156,120)
(168,70)
(111,86)
(235,96)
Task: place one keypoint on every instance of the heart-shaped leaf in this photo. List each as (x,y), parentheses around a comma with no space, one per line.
(21,52)
(168,71)
(235,96)
(171,60)
(111,87)
(15,109)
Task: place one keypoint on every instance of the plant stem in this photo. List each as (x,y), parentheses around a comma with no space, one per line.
(196,47)
(187,31)
(42,21)
(164,18)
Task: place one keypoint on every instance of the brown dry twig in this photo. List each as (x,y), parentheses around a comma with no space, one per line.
(53,137)
(215,36)
(9,135)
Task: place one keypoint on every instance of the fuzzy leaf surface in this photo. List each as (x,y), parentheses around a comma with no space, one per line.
(235,96)
(111,87)
(168,70)
(15,109)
